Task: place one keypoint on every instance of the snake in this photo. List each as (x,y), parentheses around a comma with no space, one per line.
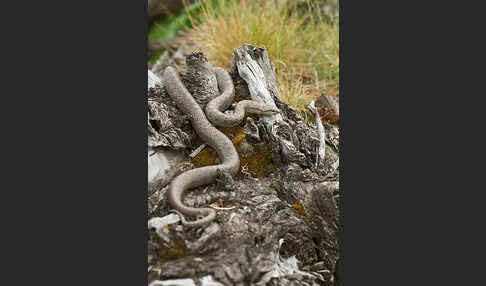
(204,125)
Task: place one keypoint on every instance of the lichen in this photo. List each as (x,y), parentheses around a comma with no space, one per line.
(299,209)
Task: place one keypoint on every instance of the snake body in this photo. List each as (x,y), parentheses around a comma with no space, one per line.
(210,135)
(216,107)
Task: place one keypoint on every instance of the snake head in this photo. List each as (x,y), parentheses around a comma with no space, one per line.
(259,108)
(270,111)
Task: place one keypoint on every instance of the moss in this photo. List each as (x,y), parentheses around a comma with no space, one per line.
(239,138)
(176,250)
(298,208)
(206,157)
(258,163)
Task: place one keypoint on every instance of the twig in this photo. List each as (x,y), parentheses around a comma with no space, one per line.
(197,151)
(213,205)
(244,170)
(231,217)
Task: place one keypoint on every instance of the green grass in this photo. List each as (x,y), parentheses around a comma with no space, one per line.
(168,27)
(303,46)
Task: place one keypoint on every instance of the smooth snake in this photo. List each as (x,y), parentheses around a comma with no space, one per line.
(204,125)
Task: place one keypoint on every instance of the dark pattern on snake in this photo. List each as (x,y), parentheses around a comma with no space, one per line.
(210,135)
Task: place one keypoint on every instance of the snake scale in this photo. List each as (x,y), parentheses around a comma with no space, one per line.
(210,135)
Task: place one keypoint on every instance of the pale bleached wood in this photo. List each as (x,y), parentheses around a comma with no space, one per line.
(322,133)
(259,75)
(153,79)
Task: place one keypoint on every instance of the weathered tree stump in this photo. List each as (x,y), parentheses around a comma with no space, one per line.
(279,223)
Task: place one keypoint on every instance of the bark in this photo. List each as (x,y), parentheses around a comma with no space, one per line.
(276,228)
(293,140)
(329,107)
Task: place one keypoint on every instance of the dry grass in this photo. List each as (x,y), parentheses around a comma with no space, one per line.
(303,47)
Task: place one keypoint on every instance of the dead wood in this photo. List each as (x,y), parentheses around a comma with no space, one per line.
(278,225)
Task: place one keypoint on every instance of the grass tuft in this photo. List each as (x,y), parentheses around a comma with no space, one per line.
(304,47)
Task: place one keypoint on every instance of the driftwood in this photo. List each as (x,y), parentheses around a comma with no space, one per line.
(278,224)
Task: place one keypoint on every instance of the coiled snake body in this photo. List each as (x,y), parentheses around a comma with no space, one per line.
(210,135)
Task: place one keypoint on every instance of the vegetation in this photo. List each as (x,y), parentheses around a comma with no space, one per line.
(304,46)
